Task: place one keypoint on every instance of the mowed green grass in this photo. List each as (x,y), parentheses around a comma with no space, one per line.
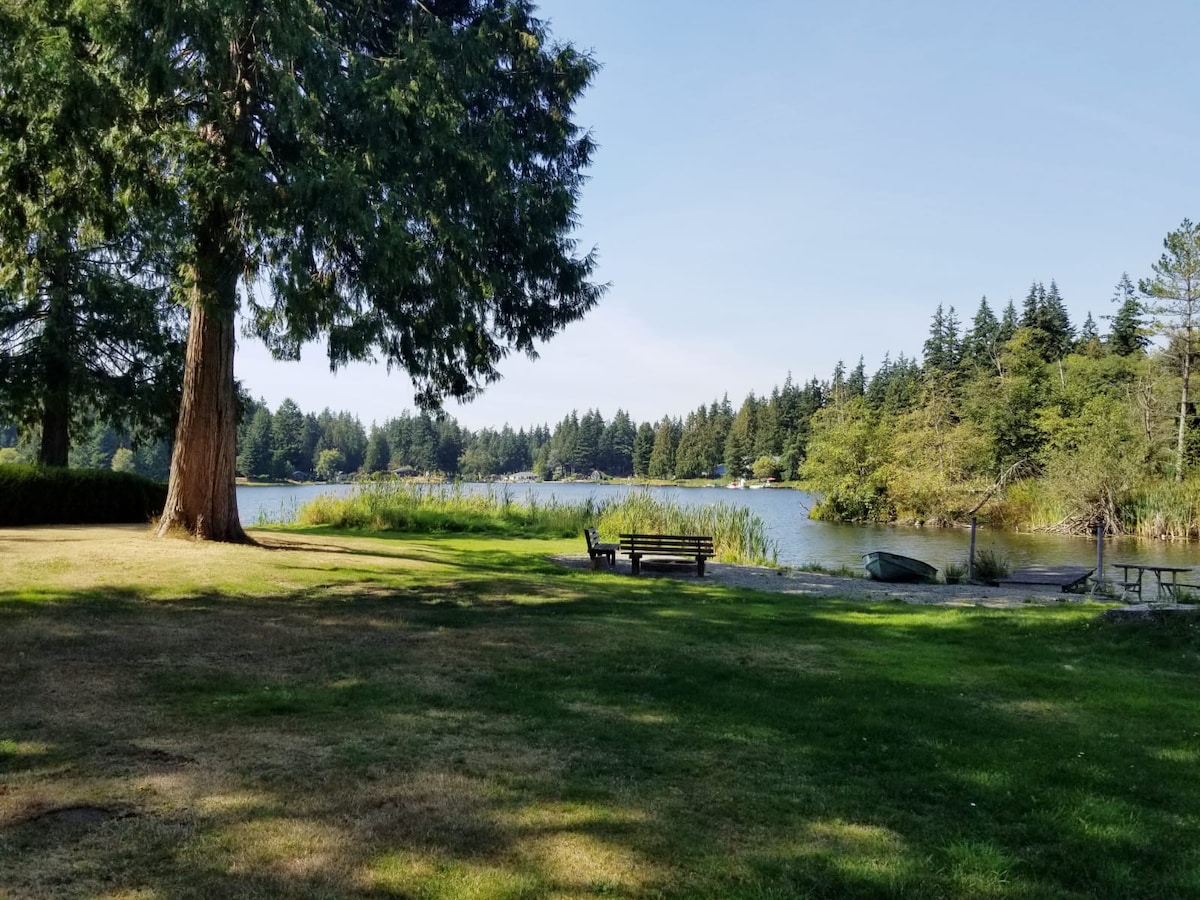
(346,716)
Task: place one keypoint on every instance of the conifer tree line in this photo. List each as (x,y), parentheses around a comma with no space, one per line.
(1018,414)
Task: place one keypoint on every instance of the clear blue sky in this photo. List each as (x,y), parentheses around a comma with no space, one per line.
(780,185)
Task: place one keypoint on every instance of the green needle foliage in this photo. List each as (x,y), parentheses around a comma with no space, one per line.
(87,328)
(400,179)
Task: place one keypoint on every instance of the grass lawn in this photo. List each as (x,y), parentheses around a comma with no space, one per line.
(344,716)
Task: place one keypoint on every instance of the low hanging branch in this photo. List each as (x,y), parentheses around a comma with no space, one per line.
(1008,474)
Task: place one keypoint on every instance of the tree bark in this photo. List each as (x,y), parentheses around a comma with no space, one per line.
(58,340)
(202,492)
(56,401)
(1183,406)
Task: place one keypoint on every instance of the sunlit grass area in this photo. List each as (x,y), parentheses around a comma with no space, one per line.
(448,717)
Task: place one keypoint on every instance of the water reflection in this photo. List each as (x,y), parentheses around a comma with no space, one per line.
(785,513)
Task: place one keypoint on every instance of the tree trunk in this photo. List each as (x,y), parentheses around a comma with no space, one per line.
(1183,408)
(56,436)
(202,494)
(59,340)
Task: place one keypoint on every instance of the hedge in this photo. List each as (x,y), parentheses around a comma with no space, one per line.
(32,495)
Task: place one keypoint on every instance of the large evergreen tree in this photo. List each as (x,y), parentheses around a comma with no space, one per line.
(662,453)
(87,327)
(378,453)
(643,446)
(981,346)
(1173,298)
(400,178)
(1127,334)
(254,453)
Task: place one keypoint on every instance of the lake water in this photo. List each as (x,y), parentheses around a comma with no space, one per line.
(785,514)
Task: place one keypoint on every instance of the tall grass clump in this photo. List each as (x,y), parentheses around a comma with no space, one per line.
(1163,510)
(739,536)
(388,505)
(990,565)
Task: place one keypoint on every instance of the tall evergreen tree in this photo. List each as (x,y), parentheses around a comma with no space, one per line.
(856,382)
(1089,338)
(981,345)
(87,327)
(617,445)
(402,180)
(254,456)
(643,446)
(1127,334)
(689,456)
(943,346)
(1173,297)
(1055,323)
(587,443)
(379,454)
(1008,323)
(287,439)
(1031,307)
(662,453)
(740,442)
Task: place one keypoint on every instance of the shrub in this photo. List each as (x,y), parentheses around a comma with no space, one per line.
(990,565)
(954,573)
(33,495)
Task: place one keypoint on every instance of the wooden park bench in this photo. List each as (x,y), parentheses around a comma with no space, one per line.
(597,550)
(679,546)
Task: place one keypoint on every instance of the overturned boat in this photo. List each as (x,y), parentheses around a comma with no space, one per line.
(884,566)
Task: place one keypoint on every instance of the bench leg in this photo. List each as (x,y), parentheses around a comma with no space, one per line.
(612,559)
(699,566)
(635,561)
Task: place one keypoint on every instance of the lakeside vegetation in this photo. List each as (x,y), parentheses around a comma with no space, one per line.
(337,715)
(739,536)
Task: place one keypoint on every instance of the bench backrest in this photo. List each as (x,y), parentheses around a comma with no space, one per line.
(667,543)
(592,536)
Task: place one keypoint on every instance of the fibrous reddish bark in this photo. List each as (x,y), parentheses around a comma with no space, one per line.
(202,495)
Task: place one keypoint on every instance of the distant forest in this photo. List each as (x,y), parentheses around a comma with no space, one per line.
(1019,416)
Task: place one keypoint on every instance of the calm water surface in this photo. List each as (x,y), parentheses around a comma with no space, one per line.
(785,513)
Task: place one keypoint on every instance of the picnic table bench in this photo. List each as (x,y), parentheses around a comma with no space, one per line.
(1170,590)
(679,546)
(598,550)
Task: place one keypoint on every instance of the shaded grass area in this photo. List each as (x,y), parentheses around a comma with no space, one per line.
(366,717)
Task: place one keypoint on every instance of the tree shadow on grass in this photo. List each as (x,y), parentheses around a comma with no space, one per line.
(633,738)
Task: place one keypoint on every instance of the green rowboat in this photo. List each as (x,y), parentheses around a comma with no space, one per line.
(884,566)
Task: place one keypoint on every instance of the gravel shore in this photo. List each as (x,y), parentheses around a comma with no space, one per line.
(793,581)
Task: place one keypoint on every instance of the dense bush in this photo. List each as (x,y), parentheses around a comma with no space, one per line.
(31,495)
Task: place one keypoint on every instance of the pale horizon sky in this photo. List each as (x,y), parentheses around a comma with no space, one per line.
(782,185)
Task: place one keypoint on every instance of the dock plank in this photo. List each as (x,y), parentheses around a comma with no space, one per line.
(1061,578)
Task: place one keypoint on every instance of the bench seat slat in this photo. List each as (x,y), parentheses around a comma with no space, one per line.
(690,546)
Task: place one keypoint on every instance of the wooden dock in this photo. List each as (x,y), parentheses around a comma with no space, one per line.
(1057,579)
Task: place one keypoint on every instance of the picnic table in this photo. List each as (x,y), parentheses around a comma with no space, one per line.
(1166,589)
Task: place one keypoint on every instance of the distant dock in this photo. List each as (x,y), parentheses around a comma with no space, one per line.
(1056,579)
